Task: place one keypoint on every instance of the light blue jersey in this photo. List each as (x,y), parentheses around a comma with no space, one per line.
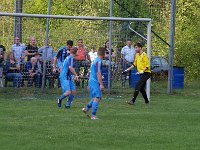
(65,73)
(94,85)
(96,66)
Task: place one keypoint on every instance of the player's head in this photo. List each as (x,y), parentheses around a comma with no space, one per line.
(70,43)
(73,50)
(138,47)
(101,52)
(80,42)
(128,42)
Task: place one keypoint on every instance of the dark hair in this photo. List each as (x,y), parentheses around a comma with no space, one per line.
(70,42)
(101,51)
(80,40)
(138,45)
(73,50)
(105,43)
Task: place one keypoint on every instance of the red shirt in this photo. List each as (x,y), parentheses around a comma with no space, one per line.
(80,54)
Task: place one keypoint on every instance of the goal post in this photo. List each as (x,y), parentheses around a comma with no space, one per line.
(147,20)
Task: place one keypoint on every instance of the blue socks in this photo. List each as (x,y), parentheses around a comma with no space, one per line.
(62,97)
(70,99)
(89,105)
(94,108)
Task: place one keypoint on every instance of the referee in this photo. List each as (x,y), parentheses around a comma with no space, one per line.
(143,67)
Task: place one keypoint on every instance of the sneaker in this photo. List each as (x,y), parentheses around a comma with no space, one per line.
(130,102)
(59,103)
(94,118)
(86,112)
(67,107)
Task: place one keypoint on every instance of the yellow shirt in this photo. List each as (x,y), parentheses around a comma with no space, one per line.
(142,62)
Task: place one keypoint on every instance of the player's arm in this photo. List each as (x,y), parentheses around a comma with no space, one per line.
(72,70)
(99,75)
(54,63)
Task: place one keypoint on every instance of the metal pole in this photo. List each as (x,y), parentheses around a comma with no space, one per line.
(18,20)
(171,48)
(110,46)
(46,44)
(73,17)
(149,55)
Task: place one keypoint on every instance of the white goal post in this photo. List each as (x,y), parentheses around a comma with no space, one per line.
(148,20)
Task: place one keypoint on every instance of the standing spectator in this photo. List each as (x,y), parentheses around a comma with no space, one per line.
(93,54)
(47,53)
(12,70)
(59,58)
(33,73)
(128,55)
(106,57)
(2,58)
(31,49)
(82,59)
(18,51)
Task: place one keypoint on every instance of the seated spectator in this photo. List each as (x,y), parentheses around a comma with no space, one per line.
(2,58)
(31,49)
(18,51)
(106,57)
(34,73)
(12,70)
(93,54)
(82,59)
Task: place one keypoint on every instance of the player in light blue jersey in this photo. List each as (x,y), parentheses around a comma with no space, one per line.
(95,84)
(67,77)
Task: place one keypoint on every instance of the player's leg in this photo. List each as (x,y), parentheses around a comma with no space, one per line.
(146,76)
(66,91)
(72,94)
(95,106)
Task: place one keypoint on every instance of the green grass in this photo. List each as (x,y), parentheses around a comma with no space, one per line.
(34,122)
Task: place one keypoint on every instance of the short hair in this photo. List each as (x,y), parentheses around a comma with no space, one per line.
(101,51)
(70,42)
(138,45)
(128,40)
(73,50)
(80,40)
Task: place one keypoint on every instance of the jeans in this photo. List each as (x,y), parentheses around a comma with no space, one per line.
(16,77)
(37,80)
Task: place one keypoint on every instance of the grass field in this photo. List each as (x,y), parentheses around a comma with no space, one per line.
(169,122)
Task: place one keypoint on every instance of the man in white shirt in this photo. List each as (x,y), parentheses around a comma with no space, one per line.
(93,54)
(128,56)
(18,51)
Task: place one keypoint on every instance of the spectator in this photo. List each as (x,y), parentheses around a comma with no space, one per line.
(2,58)
(59,58)
(82,59)
(34,73)
(47,53)
(31,49)
(18,51)
(93,54)
(128,55)
(106,57)
(13,71)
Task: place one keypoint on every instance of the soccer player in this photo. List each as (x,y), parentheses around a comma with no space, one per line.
(67,76)
(143,66)
(95,84)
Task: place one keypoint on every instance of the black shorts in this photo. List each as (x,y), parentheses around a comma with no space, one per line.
(142,81)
